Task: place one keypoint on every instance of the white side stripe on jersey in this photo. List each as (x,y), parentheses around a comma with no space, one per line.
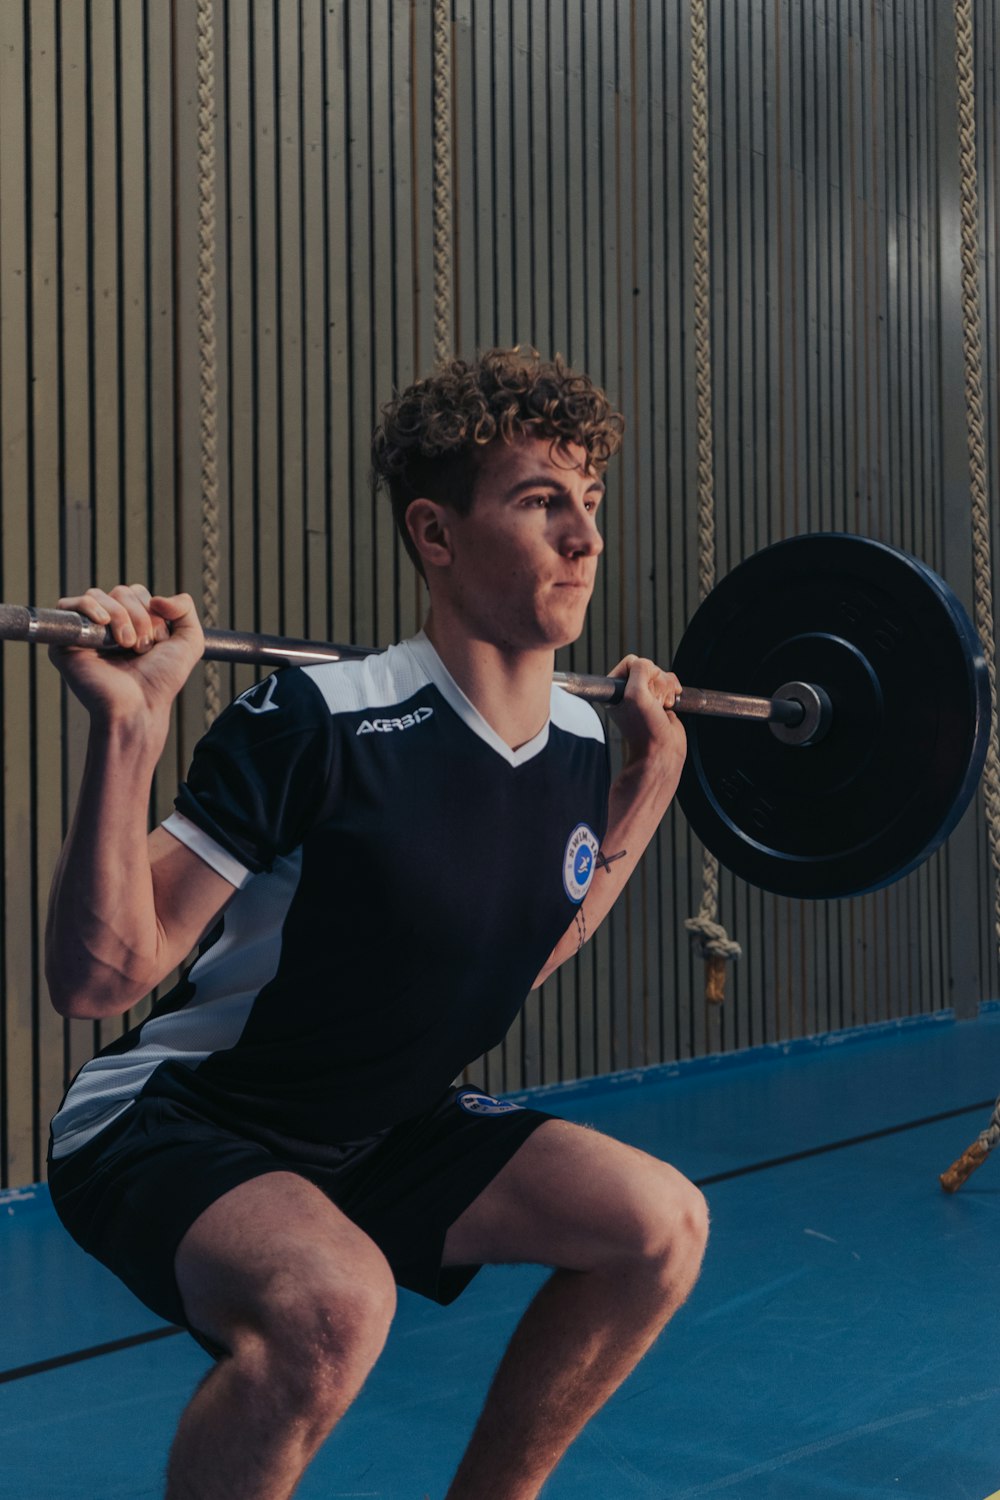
(230,976)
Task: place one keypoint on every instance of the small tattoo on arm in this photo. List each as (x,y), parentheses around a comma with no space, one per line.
(581,928)
(605,861)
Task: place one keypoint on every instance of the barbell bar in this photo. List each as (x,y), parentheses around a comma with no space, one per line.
(65,627)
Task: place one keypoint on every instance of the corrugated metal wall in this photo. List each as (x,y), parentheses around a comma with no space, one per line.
(837,395)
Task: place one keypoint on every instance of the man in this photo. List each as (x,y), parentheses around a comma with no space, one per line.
(380,860)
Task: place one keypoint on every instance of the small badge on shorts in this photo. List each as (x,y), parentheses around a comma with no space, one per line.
(579,862)
(484,1104)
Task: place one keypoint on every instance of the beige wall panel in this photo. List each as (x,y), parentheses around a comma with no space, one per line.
(17,1121)
(235,160)
(289,146)
(77,488)
(315,478)
(44,534)
(383,22)
(267,271)
(106,231)
(339,326)
(134,254)
(161,383)
(359,103)
(835,402)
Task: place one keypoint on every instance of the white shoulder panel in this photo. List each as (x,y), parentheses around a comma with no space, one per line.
(376,682)
(576,715)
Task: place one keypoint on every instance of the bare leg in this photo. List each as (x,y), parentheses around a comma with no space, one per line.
(629,1234)
(303,1301)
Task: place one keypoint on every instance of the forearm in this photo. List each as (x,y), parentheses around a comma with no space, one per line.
(102,933)
(640,795)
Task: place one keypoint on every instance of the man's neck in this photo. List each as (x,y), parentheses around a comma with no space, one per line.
(511,689)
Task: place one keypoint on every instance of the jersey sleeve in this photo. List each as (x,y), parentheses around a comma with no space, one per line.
(262,773)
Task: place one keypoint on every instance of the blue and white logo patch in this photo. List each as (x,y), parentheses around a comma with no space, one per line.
(484,1104)
(579,862)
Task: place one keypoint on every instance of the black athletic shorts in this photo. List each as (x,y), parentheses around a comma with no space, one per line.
(129,1196)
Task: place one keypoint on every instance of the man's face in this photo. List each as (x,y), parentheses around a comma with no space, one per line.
(525,557)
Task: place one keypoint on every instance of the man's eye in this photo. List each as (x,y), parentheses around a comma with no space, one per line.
(540,501)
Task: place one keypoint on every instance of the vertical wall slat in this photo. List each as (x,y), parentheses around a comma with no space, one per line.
(289,152)
(46,394)
(15,455)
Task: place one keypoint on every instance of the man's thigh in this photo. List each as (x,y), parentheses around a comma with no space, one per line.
(269,1250)
(575,1199)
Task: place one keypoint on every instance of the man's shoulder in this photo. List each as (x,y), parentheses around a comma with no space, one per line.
(379,681)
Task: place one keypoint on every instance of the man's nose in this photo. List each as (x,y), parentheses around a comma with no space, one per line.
(582,538)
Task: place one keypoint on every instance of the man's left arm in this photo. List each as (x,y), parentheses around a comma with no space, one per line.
(655,746)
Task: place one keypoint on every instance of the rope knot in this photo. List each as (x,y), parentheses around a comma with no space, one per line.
(715,940)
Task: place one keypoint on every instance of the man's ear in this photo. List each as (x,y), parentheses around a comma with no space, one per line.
(427,523)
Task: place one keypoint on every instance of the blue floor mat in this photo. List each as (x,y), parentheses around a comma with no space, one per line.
(841,1342)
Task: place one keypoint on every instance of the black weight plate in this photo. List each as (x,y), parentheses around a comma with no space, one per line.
(904,669)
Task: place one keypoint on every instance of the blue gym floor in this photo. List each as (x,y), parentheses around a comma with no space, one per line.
(842,1341)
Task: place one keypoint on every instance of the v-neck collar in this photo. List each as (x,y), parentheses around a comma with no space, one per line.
(427,658)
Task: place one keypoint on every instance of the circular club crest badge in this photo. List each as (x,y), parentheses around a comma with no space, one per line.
(579,862)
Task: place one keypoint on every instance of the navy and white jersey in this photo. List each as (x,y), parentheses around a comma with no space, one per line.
(400,878)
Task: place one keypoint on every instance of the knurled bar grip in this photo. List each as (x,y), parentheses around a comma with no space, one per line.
(961,1170)
(65,627)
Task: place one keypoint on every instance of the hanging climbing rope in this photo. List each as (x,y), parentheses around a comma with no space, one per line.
(982,561)
(207,363)
(716,946)
(442,183)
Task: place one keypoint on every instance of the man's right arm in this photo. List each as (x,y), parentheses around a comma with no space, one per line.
(126,906)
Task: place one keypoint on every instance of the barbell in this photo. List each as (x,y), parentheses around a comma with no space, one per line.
(858,659)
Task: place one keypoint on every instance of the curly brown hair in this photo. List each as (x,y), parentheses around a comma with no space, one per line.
(432,436)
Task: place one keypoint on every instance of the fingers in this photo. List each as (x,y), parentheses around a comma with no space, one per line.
(136,619)
(123,610)
(644,676)
(179,609)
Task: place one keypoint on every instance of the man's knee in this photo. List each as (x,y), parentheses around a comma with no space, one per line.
(687,1220)
(666,1230)
(322,1314)
(315,1330)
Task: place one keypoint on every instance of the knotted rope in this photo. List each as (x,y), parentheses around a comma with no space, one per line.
(715,944)
(982,561)
(207,363)
(442,183)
